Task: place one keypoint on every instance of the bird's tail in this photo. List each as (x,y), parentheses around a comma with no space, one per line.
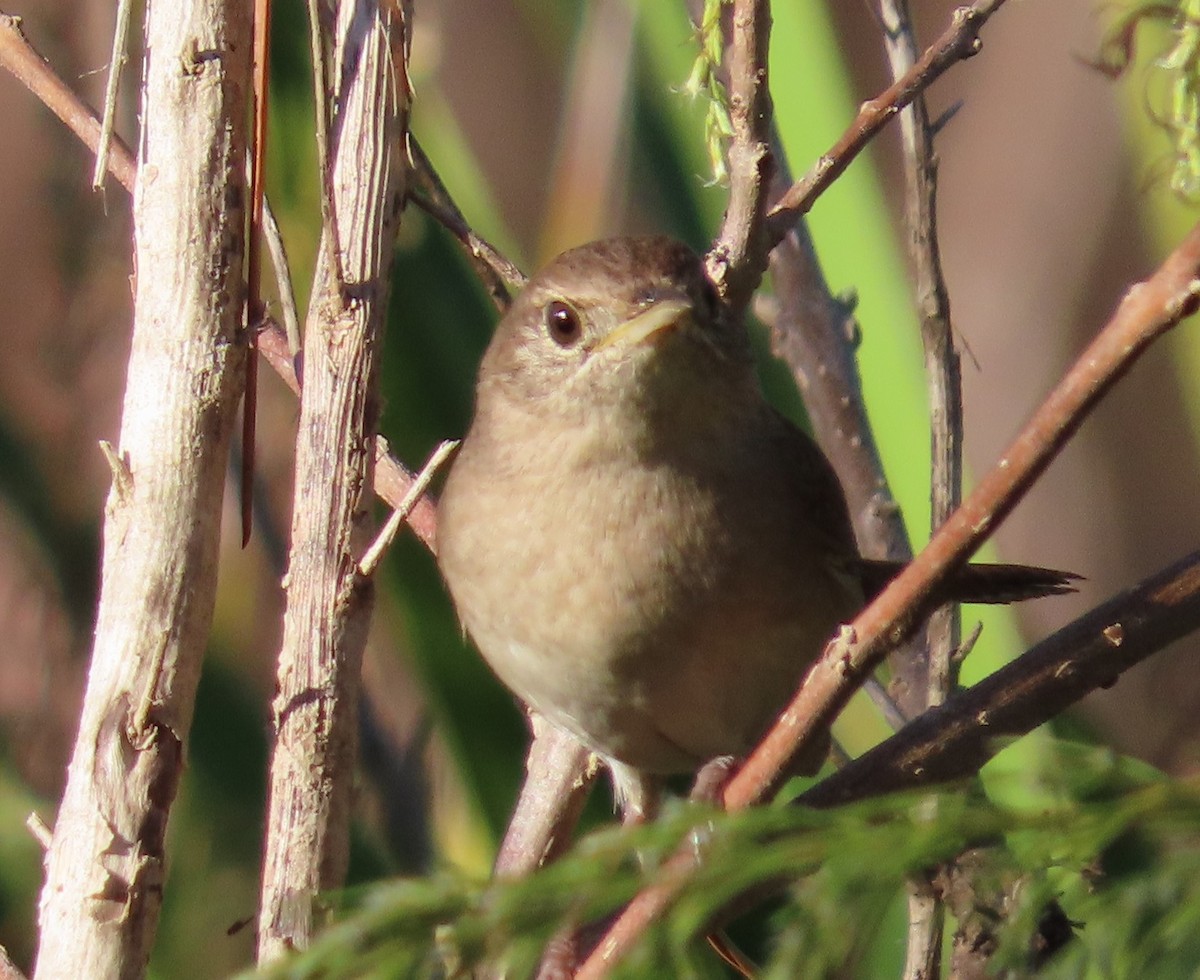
(992,584)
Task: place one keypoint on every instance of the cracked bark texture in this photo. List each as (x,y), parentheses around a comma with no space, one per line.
(329,600)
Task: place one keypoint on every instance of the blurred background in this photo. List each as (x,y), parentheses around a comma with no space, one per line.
(553,123)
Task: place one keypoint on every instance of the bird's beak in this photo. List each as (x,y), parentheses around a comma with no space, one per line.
(663,315)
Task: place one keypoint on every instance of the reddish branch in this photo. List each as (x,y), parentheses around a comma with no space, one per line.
(1148,310)
(959,41)
(31,70)
(955,740)
(254,236)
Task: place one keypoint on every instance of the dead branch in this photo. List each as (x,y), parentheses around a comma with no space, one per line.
(99,907)
(328,601)
(943,377)
(392,479)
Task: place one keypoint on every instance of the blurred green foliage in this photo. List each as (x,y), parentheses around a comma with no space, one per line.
(1120,854)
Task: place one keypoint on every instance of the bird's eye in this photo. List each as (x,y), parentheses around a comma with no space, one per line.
(562,323)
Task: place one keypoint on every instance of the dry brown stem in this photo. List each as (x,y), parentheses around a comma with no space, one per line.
(943,379)
(497,273)
(328,600)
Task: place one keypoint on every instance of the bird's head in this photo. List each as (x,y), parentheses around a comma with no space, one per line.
(618,325)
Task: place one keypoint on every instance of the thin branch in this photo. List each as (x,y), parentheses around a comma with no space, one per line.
(944,380)
(261,43)
(283,276)
(942,369)
(738,258)
(115,66)
(816,334)
(1148,310)
(958,42)
(374,554)
(497,273)
(955,740)
(29,68)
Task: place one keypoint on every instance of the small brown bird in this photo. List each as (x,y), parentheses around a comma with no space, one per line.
(643,549)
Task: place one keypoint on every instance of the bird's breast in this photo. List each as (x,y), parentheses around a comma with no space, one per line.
(652,606)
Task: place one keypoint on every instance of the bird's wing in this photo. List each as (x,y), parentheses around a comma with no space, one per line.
(815,488)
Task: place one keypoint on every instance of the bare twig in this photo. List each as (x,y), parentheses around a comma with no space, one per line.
(497,273)
(41,833)
(254,306)
(1148,310)
(959,41)
(815,334)
(944,380)
(104,870)
(954,741)
(738,258)
(19,57)
(374,554)
(283,276)
(942,371)
(115,66)
(328,602)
